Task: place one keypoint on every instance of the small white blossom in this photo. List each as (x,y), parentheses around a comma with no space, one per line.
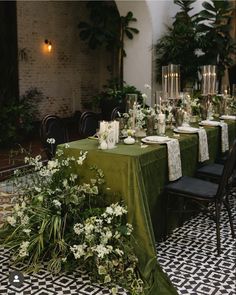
(78,250)
(59,152)
(65,183)
(11,220)
(23,249)
(51,140)
(119,252)
(102,250)
(27,231)
(25,220)
(56,203)
(78,228)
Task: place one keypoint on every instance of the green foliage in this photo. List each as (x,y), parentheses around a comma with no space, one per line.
(105,25)
(215,40)
(179,44)
(113,91)
(17,117)
(192,41)
(106,28)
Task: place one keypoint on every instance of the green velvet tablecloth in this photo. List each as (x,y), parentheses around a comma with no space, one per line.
(139,175)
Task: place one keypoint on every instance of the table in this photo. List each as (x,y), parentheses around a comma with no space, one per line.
(139,175)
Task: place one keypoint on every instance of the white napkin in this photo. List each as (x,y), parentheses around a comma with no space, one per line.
(228,117)
(174,160)
(224,137)
(203,154)
(224,133)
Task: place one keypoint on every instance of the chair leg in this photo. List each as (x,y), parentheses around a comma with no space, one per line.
(166,217)
(217,210)
(227,206)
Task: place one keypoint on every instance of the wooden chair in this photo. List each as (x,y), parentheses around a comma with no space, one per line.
(204,193)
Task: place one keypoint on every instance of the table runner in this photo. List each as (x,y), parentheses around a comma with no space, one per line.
(174,160)
(203,153)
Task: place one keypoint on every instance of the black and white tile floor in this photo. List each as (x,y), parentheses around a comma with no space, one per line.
(188,257)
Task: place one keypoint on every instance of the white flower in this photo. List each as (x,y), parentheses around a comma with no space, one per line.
(27,230)
(67,145)
(117,235)
(129,228)
(59,152)
(105,237)
(102,250)
(25,220)
(119,252)
(119,210)
(65,183)
(52,164)
(78,228)
(27,159)
(51,140)
(57,203)
(11,220)
(73,177)
(78,250)
(23,249)
(38,189)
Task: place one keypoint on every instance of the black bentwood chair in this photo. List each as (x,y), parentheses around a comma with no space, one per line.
(201,191)
(89,123)
(52,127)
(116,113)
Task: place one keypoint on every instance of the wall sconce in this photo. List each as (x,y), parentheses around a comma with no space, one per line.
(48,44)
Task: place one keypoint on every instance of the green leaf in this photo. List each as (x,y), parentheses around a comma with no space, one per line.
(208,6)
(129,34)
(134,30)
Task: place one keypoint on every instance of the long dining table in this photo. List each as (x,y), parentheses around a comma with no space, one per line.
(137,176)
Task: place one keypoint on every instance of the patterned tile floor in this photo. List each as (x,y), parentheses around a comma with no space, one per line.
(188,257)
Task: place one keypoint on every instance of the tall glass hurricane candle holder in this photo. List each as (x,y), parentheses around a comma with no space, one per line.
(171,81)
(208,83)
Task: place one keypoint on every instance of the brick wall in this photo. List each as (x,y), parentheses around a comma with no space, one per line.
(71,73)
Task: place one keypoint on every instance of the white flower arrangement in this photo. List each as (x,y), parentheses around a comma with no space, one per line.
(64,223)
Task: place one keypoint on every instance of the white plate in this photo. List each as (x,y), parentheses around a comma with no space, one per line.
(155,139)
(183,129)
(209,123)
(228,117)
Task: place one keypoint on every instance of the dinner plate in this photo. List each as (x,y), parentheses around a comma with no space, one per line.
(228,117)
(185,129)
(155,139)
(209,123)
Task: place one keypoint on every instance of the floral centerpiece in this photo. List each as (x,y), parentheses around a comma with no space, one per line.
(62,223)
